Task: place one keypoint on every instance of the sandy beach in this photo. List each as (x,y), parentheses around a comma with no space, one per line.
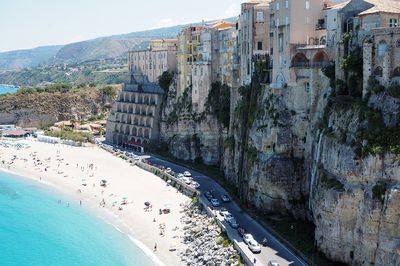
(79,171)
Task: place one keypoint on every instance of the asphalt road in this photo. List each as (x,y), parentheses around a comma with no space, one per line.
(275,250)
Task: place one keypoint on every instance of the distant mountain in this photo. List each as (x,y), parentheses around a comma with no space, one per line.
(115,46)
(102,48)
(25,58)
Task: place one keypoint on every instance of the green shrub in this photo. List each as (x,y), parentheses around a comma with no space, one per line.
(330,183)
(165,80)
(218,102)
(394,90)
(230,142)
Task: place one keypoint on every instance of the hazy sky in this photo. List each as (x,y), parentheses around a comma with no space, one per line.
(31,23)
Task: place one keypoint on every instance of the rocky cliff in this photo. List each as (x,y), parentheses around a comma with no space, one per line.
(308,152)
(42,109)
(189,135)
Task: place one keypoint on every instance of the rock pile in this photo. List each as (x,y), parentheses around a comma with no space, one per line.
(204,240)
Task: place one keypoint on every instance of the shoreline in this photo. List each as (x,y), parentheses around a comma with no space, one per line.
(121,220)
(105,217)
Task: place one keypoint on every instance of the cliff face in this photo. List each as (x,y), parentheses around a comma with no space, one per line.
(44,109)
(305,152)
(189,135)
(355,194)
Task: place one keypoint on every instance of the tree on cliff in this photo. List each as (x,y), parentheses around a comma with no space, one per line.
(165,80)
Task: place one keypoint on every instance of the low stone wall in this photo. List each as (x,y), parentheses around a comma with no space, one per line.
(178,184)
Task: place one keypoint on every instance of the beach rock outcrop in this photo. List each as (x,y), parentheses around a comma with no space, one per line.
(205,243)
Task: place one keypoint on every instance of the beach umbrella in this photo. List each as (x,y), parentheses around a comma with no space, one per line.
(147,203)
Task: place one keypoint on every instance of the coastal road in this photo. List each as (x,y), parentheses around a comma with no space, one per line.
(275,250)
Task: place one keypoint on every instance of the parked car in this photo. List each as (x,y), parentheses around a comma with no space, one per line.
(247,238)
(273,263)
(186,180)
(195,185)
(225,198)
(215,202)
(180,176)
(168,170)
(254,246)
(208,195)
(233,223)
(187,174)
(241,231)
(222,211)
(228,216)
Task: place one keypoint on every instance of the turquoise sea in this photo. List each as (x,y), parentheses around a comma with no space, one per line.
(4,90)
(37,230)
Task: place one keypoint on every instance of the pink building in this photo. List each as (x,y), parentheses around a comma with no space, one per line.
(160,57)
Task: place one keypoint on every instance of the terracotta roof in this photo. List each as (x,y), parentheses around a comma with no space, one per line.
(382,6)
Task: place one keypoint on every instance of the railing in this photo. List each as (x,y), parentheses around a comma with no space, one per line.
(180,185)
(309,64)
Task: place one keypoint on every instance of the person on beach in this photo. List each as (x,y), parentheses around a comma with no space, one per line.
(80,203)
(155,247)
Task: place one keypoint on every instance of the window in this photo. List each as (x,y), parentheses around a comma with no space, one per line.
(382,48)
(277,6)
(286,20)
(280,42)
(260,16)
(287,3)
(392,23)
(307,20)
(398,43)
(378,71)
(259,46)
(277,22)
(307,5)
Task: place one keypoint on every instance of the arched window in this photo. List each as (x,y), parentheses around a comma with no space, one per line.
(398,43)
(299,60)
(311,41)
(382,48)
(320,58)
(396,72)
(378,71)
(322,41)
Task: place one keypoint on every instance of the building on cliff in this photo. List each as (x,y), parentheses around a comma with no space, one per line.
(298,39)
(205,55)
(253,36)
(134,119)
(187,54)
(372,25)
(160,57)
(214,63)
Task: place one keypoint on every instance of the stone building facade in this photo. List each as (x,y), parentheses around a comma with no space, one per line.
(214,62)
(298,38)
(160,57)
(381,57)
(253,36)
(134,118)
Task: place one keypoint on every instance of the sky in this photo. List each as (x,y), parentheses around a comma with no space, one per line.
(30,23)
